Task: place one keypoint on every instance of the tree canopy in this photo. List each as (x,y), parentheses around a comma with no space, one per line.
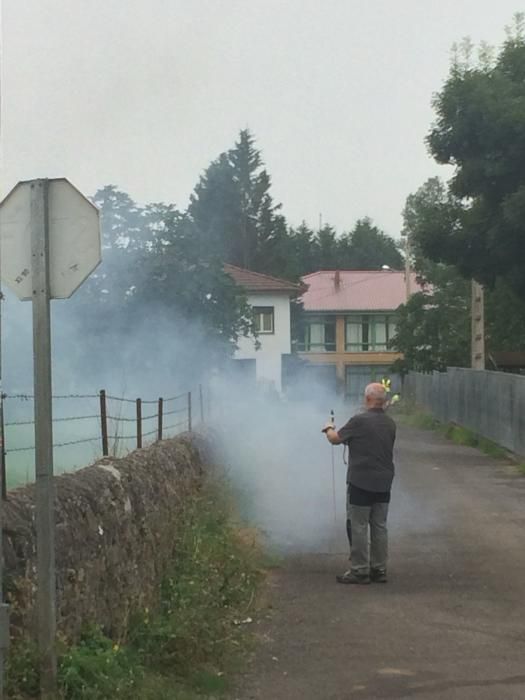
(161,262)
(232,214)
(479,222)
(234,218)
(151,269)
(433,329)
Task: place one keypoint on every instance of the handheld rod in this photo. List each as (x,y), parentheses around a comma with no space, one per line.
(334,499)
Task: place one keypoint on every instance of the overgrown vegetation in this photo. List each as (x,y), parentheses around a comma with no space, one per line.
(186,648)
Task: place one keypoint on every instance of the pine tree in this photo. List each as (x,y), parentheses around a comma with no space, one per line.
(232,211)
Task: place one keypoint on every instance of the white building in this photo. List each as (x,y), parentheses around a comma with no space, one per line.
(270,299)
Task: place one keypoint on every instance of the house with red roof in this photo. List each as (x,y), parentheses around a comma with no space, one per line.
(270,299)
(350,317)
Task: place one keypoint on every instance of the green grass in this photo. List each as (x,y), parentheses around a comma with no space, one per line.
(188,648)
(459,435)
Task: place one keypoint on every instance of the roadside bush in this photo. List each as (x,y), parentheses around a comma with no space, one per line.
(181,650)
(98,669)
(213,584)
(22,679)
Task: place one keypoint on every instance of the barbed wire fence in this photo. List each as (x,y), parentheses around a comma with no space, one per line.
(110,426)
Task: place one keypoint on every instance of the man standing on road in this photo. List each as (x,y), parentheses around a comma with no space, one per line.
(370,437)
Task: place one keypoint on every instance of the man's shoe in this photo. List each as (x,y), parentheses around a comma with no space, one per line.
(378,575)
(349,577)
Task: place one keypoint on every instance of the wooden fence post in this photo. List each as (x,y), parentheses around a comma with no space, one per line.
(139,423)
(160,414)
(104,423)
(201,403)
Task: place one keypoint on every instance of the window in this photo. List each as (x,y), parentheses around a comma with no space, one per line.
(263,319)
(369,332)
(319,335)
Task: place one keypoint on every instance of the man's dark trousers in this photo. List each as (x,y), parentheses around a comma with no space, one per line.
(367,514)
(363,518)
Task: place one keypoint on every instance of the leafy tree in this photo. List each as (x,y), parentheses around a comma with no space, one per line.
(121,217)
(326,247)
(504,319)
(163,263)
(98,301)
(366,247)
(433,328)
(193,289)
(231,210)
(480,131)
(301,252)
(433,332)
(152,270)
(234,219)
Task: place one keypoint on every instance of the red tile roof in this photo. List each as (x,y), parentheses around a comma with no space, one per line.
(257,282)
(359,290)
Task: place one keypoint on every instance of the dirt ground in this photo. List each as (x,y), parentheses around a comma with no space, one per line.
(451,621)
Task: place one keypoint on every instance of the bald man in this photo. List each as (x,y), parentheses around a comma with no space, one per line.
(370,437)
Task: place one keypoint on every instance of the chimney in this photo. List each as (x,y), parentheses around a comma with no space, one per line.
(337,280)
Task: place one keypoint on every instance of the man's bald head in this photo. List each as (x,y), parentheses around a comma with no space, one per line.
(375,395)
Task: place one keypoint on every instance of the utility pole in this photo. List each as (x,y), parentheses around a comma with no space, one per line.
(478,327)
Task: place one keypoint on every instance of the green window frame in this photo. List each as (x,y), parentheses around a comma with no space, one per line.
(319,335)
(369,332)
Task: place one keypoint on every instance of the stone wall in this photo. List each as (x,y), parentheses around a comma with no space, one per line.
(116,534)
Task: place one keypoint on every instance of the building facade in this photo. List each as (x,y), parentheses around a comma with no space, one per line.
(350,318)
(269,297)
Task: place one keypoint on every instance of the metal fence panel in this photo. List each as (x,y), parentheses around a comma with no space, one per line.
(491,404)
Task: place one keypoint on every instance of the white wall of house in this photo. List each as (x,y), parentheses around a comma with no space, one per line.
(272,345)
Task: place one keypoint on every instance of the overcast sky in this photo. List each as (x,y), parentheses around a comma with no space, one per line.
(145,93)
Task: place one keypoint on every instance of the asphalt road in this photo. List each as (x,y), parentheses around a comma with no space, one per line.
(451,621)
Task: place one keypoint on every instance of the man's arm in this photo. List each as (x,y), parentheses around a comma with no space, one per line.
(344,434)
(332,435)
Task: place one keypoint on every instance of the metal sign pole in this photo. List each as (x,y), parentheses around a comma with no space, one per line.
(50,236)
(4,609)
(45,500)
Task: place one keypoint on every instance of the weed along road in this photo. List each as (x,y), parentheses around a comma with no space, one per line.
(450,623)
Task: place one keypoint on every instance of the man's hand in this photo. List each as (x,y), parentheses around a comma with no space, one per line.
(331,434)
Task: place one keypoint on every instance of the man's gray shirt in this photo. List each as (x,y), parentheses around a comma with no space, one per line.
(370,437)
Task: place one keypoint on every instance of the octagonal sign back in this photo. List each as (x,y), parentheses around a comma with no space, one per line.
(74,239)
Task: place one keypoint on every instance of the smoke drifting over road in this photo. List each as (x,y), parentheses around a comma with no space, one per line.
(281,462)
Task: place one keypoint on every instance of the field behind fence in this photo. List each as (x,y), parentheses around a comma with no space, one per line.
(88,426)
(492,404)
